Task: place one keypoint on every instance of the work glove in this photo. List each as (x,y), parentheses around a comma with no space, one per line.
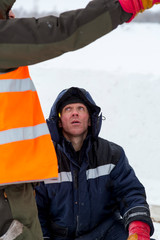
(5,6)
(139,231)
(136,6)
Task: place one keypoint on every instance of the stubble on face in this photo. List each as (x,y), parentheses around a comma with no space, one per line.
(75,120)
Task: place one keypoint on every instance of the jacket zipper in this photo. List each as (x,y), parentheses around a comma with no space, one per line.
(75,179)
(77,225)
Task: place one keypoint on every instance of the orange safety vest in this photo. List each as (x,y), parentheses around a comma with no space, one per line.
(27,153)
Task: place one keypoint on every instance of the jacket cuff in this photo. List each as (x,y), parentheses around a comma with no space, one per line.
(138,214)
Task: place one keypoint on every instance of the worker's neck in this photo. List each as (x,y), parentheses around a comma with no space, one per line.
(77,141)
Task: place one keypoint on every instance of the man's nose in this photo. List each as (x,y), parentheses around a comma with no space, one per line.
(75,112)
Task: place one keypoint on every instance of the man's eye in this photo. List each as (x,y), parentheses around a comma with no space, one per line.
(67,109)
(81,108)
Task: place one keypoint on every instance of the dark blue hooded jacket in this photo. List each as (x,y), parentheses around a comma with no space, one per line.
(95,187)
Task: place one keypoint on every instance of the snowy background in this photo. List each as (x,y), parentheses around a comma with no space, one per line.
(121,70)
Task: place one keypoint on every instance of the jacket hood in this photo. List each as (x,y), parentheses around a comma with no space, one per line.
(95,115)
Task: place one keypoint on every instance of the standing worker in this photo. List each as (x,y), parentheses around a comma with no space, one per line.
(24,143)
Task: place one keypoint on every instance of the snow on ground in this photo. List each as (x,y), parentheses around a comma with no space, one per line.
(157,231)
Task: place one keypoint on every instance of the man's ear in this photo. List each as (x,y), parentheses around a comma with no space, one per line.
(59,123)
(89,122)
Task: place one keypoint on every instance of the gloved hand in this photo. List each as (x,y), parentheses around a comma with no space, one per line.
(133,237)
(139,231)
(5,6)
(136,6)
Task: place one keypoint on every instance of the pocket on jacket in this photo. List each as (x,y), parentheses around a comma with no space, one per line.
(58,231)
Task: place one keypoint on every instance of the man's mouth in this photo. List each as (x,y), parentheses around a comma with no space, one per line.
(75,122)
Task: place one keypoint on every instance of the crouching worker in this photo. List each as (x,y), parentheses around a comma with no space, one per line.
(97,195)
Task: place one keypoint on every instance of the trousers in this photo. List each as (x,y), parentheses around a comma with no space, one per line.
(17,202)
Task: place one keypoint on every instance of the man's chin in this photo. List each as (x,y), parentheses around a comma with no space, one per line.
(78,133)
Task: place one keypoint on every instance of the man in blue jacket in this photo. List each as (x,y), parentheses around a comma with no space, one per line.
(97,195)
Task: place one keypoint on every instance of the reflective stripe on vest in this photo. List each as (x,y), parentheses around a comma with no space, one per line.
(20,134)
(19,85)
(27,152)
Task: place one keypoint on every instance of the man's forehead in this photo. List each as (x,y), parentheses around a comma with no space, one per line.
(74,105)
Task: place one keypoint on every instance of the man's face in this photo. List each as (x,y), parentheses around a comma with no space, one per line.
(75,120)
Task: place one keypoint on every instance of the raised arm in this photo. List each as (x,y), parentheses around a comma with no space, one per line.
(28,41)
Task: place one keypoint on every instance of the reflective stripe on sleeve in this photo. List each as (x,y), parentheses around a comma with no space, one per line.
(16,85)
(62,177)
(20,134)
(91,174)
(99,171)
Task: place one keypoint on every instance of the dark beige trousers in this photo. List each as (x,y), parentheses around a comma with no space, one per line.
(23,208)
